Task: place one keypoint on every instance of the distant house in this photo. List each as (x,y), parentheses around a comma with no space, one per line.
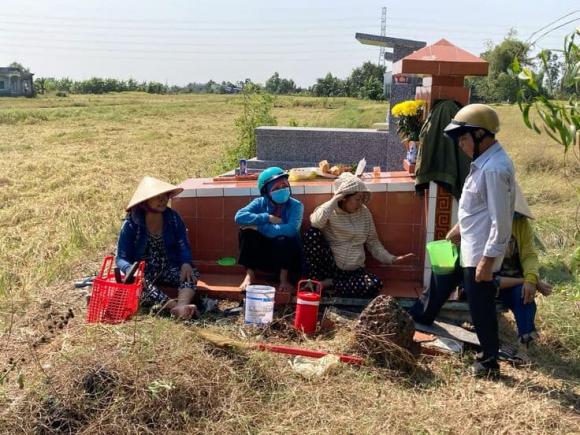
(15,83)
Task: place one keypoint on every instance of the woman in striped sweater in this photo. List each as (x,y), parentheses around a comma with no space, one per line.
(335,244)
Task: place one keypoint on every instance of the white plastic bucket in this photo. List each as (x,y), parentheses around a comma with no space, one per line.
(259,304)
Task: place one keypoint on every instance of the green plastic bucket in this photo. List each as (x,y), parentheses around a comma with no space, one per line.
(443,256)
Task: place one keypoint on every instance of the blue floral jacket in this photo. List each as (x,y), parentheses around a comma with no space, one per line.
(134,235)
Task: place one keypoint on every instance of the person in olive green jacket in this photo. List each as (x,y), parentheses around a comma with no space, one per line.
(517,281)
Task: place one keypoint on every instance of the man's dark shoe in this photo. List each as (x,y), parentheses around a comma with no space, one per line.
(488,368)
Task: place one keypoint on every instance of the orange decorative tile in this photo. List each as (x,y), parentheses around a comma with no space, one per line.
(192,238)
(402,289)
(396,272)
(210,207)
(209,255)
(232,204)
(186,207)
(231,242)
(404,207)
(210,234)
(378,206)
(397,238)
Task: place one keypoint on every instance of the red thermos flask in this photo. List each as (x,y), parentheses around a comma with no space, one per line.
(307,303)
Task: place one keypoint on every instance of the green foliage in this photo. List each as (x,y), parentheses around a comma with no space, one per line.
(364,82)
(560,120)
(499,86)
(97,85)
(156,88)
(256,111)
(280,86)
(19,66)
(372,89)
(553,66)
(329,86)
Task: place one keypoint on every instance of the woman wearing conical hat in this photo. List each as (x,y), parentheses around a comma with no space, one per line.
(155,233)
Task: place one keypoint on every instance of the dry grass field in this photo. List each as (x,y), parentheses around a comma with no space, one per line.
(68,167)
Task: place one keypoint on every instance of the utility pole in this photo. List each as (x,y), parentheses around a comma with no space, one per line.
(383,33)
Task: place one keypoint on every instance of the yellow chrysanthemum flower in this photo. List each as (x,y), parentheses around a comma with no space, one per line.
(407,108)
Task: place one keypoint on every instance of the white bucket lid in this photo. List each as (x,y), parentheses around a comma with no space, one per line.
(260,289)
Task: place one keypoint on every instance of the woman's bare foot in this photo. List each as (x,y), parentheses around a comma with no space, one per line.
(184,312)
(248,280)
(286,287)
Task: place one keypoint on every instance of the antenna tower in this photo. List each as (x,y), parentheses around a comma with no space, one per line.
(383,33)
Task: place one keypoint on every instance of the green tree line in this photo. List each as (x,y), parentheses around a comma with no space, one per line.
(365,81)
(501,85)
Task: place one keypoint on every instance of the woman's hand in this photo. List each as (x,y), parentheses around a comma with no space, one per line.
(528,292)
(544,288)
(337,197)
(186,274)
(403,258)
(274,219)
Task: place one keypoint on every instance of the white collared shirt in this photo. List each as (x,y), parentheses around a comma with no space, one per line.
(486,208)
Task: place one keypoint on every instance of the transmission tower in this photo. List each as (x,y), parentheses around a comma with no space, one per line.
(383,33)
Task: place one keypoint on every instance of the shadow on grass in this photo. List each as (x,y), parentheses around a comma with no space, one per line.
(565,396)
(555,361)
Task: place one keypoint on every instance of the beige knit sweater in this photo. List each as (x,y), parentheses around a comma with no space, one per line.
(349,233)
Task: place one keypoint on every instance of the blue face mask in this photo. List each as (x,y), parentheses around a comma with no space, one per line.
(280,196)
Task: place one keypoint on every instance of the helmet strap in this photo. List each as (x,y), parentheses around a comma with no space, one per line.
(477,141)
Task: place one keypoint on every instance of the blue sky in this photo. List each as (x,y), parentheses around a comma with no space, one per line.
(178,41)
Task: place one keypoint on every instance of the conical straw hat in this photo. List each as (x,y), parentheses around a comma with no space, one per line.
(150,187)
(521,205)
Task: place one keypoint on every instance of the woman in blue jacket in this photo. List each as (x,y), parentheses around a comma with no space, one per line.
(155,233)
(270,230)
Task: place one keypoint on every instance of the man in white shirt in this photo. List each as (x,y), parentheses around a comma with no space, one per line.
(486,210)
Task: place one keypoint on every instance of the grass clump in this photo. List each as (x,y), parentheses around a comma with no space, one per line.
(114,388)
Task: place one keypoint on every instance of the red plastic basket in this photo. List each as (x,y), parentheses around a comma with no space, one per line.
(112,302)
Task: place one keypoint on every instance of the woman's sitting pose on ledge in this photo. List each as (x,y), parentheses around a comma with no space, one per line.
(155,233)
(270,230)
(335,244)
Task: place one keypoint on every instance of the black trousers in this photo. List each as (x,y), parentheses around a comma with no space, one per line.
(320,265)
(258,252)
(481,298)
(427,307)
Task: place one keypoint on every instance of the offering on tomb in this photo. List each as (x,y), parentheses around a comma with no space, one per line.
(324,166)
(300,174)
(335,170)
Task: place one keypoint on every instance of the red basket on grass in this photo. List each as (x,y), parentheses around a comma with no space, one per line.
(113,302)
